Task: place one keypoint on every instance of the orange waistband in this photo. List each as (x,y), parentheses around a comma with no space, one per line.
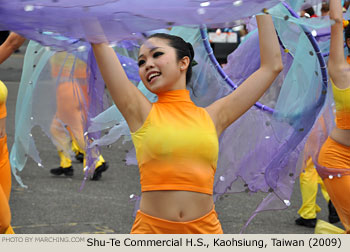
(331,142)
(334,155)
(207,224)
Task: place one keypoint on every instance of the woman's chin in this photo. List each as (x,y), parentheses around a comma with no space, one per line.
(157,88)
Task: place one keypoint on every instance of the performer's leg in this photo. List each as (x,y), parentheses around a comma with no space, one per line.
(5,213)
(68,116)
(5,187)
(101,165)
(100,161)
(323,189)
(65,162)
(308,189)
(332,213)
(79,153)
(62,140)
(75,147)
(71,102)
(335,155)
(339,191)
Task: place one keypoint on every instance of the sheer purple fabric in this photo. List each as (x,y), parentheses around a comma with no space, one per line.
(62,23)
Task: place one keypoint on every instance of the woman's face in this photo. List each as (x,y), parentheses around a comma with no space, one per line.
(159,68)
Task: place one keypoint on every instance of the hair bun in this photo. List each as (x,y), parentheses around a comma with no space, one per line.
(190,48)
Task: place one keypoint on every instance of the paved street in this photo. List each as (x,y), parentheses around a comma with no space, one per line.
(55,204)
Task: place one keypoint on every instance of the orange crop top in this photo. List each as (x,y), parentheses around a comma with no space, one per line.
(342,106)
(177,146)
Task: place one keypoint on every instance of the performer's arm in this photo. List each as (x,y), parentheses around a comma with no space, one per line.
(228,109)
(133,105)
(338,68)
(11,44)
(2,127)
(3,113)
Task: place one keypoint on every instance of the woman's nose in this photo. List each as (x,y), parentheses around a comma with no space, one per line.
(149,65)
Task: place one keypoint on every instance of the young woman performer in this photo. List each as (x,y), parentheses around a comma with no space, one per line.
(335,152)
(176,142)
(12,43)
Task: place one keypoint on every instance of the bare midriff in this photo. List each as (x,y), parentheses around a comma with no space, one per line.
(341,136)
(180,206)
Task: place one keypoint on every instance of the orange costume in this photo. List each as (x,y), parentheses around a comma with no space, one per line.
(70,96)
(72,100)
(177,149)
(336,156)
(5,171)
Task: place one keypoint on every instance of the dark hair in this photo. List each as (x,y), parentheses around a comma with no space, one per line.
(310,11)
(182,49)
(347,36)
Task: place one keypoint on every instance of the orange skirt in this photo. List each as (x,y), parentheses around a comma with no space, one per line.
(337,156)
(146,224)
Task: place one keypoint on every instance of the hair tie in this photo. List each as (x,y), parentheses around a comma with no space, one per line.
(193,63)
(345,23)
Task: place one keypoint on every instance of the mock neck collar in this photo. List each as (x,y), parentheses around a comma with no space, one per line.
(178,95)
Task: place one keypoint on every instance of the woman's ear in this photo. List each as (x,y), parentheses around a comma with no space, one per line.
(184,63)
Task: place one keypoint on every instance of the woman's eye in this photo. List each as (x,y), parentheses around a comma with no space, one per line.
(157,54)
(141,62)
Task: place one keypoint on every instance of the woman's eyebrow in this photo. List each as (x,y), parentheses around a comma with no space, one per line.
(154,48)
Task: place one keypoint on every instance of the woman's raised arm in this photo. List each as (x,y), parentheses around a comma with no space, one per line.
(338,68)
(133,105)
(228,109)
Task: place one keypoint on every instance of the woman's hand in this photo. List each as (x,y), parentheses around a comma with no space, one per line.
(93,31)
(2,127)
